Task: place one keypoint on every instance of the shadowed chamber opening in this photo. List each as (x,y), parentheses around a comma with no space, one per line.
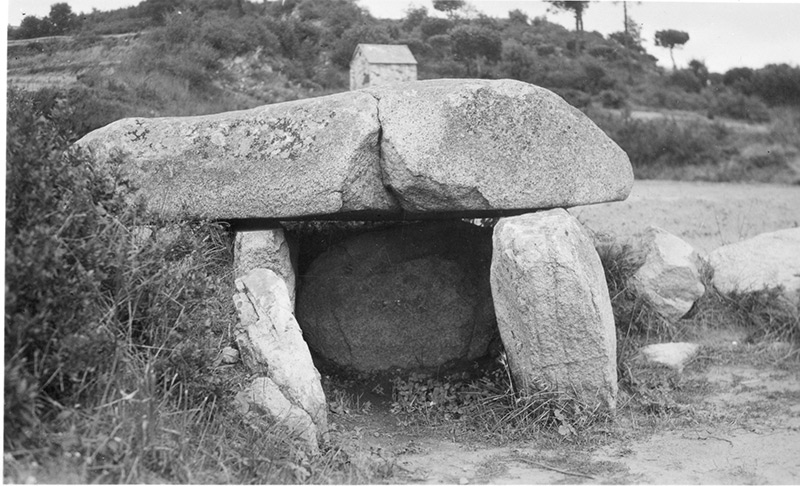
(391,298)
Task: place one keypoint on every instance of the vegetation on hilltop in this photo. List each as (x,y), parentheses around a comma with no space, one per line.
(204,56)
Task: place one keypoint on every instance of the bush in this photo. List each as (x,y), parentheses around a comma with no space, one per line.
(545,50)
(686,80)
(235,36)
(657,145)
(87,300)
(603,52)
(574,97)
(518,62)
(739,106)
(435,26)
(613,99)
(776,84)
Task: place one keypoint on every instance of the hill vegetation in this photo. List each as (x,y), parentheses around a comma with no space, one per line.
(181,57)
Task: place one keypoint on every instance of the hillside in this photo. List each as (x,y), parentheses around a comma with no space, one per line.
(176,57)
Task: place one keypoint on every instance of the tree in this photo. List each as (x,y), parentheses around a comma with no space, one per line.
(157,10)
(34,27)
(700,71)
(670,39)
(474,43)
(449,6)
(434,26)
(517,16)
(574,6)
(414,17)
(62,18)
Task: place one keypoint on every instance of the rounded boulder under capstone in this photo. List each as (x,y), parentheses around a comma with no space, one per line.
(413,296)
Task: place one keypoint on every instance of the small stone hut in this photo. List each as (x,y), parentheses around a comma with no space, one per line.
(376,64)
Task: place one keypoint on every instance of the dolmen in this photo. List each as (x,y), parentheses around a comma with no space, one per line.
(440,152)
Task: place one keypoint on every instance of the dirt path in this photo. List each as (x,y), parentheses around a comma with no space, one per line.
(738,424)
(705,214)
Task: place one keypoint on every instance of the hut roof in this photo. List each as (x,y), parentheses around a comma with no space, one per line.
(386,53)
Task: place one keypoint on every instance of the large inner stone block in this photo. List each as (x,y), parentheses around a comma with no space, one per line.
(412,296)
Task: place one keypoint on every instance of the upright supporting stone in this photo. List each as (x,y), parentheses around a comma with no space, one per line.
(553,308)
(288,387)
(264,249)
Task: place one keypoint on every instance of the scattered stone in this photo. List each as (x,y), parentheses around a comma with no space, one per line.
(412,296)
(229,355)
(553,308)
(272,346)
(449,147)
(670,277)
(767,261)
(457,144)
(265,249)
(671,355)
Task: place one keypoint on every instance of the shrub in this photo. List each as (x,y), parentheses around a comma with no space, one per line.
(739,106)
(518,61)
(603,52)
(435,26)
(574,97)
(235,36)
(86,300)
(673,99)
(658,145)
(686,80)
(613,99)
(596,78)
(440,45)
(545,50)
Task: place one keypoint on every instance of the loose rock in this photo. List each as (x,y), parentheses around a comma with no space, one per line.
(767,261)
(669,278)
(671,355)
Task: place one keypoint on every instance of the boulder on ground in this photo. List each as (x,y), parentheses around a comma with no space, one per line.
(442,148)
(457,144)
(265,249)
(412,296)
(670,277)
(766,261)
(272,346)
(553,308)
(671,355)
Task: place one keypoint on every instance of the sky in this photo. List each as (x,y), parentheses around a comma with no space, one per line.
(721,34)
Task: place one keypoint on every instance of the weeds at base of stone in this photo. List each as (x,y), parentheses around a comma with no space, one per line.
(483,403)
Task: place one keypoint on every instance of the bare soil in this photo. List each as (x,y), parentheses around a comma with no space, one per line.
(732,416)
(705,214)
(735,419)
